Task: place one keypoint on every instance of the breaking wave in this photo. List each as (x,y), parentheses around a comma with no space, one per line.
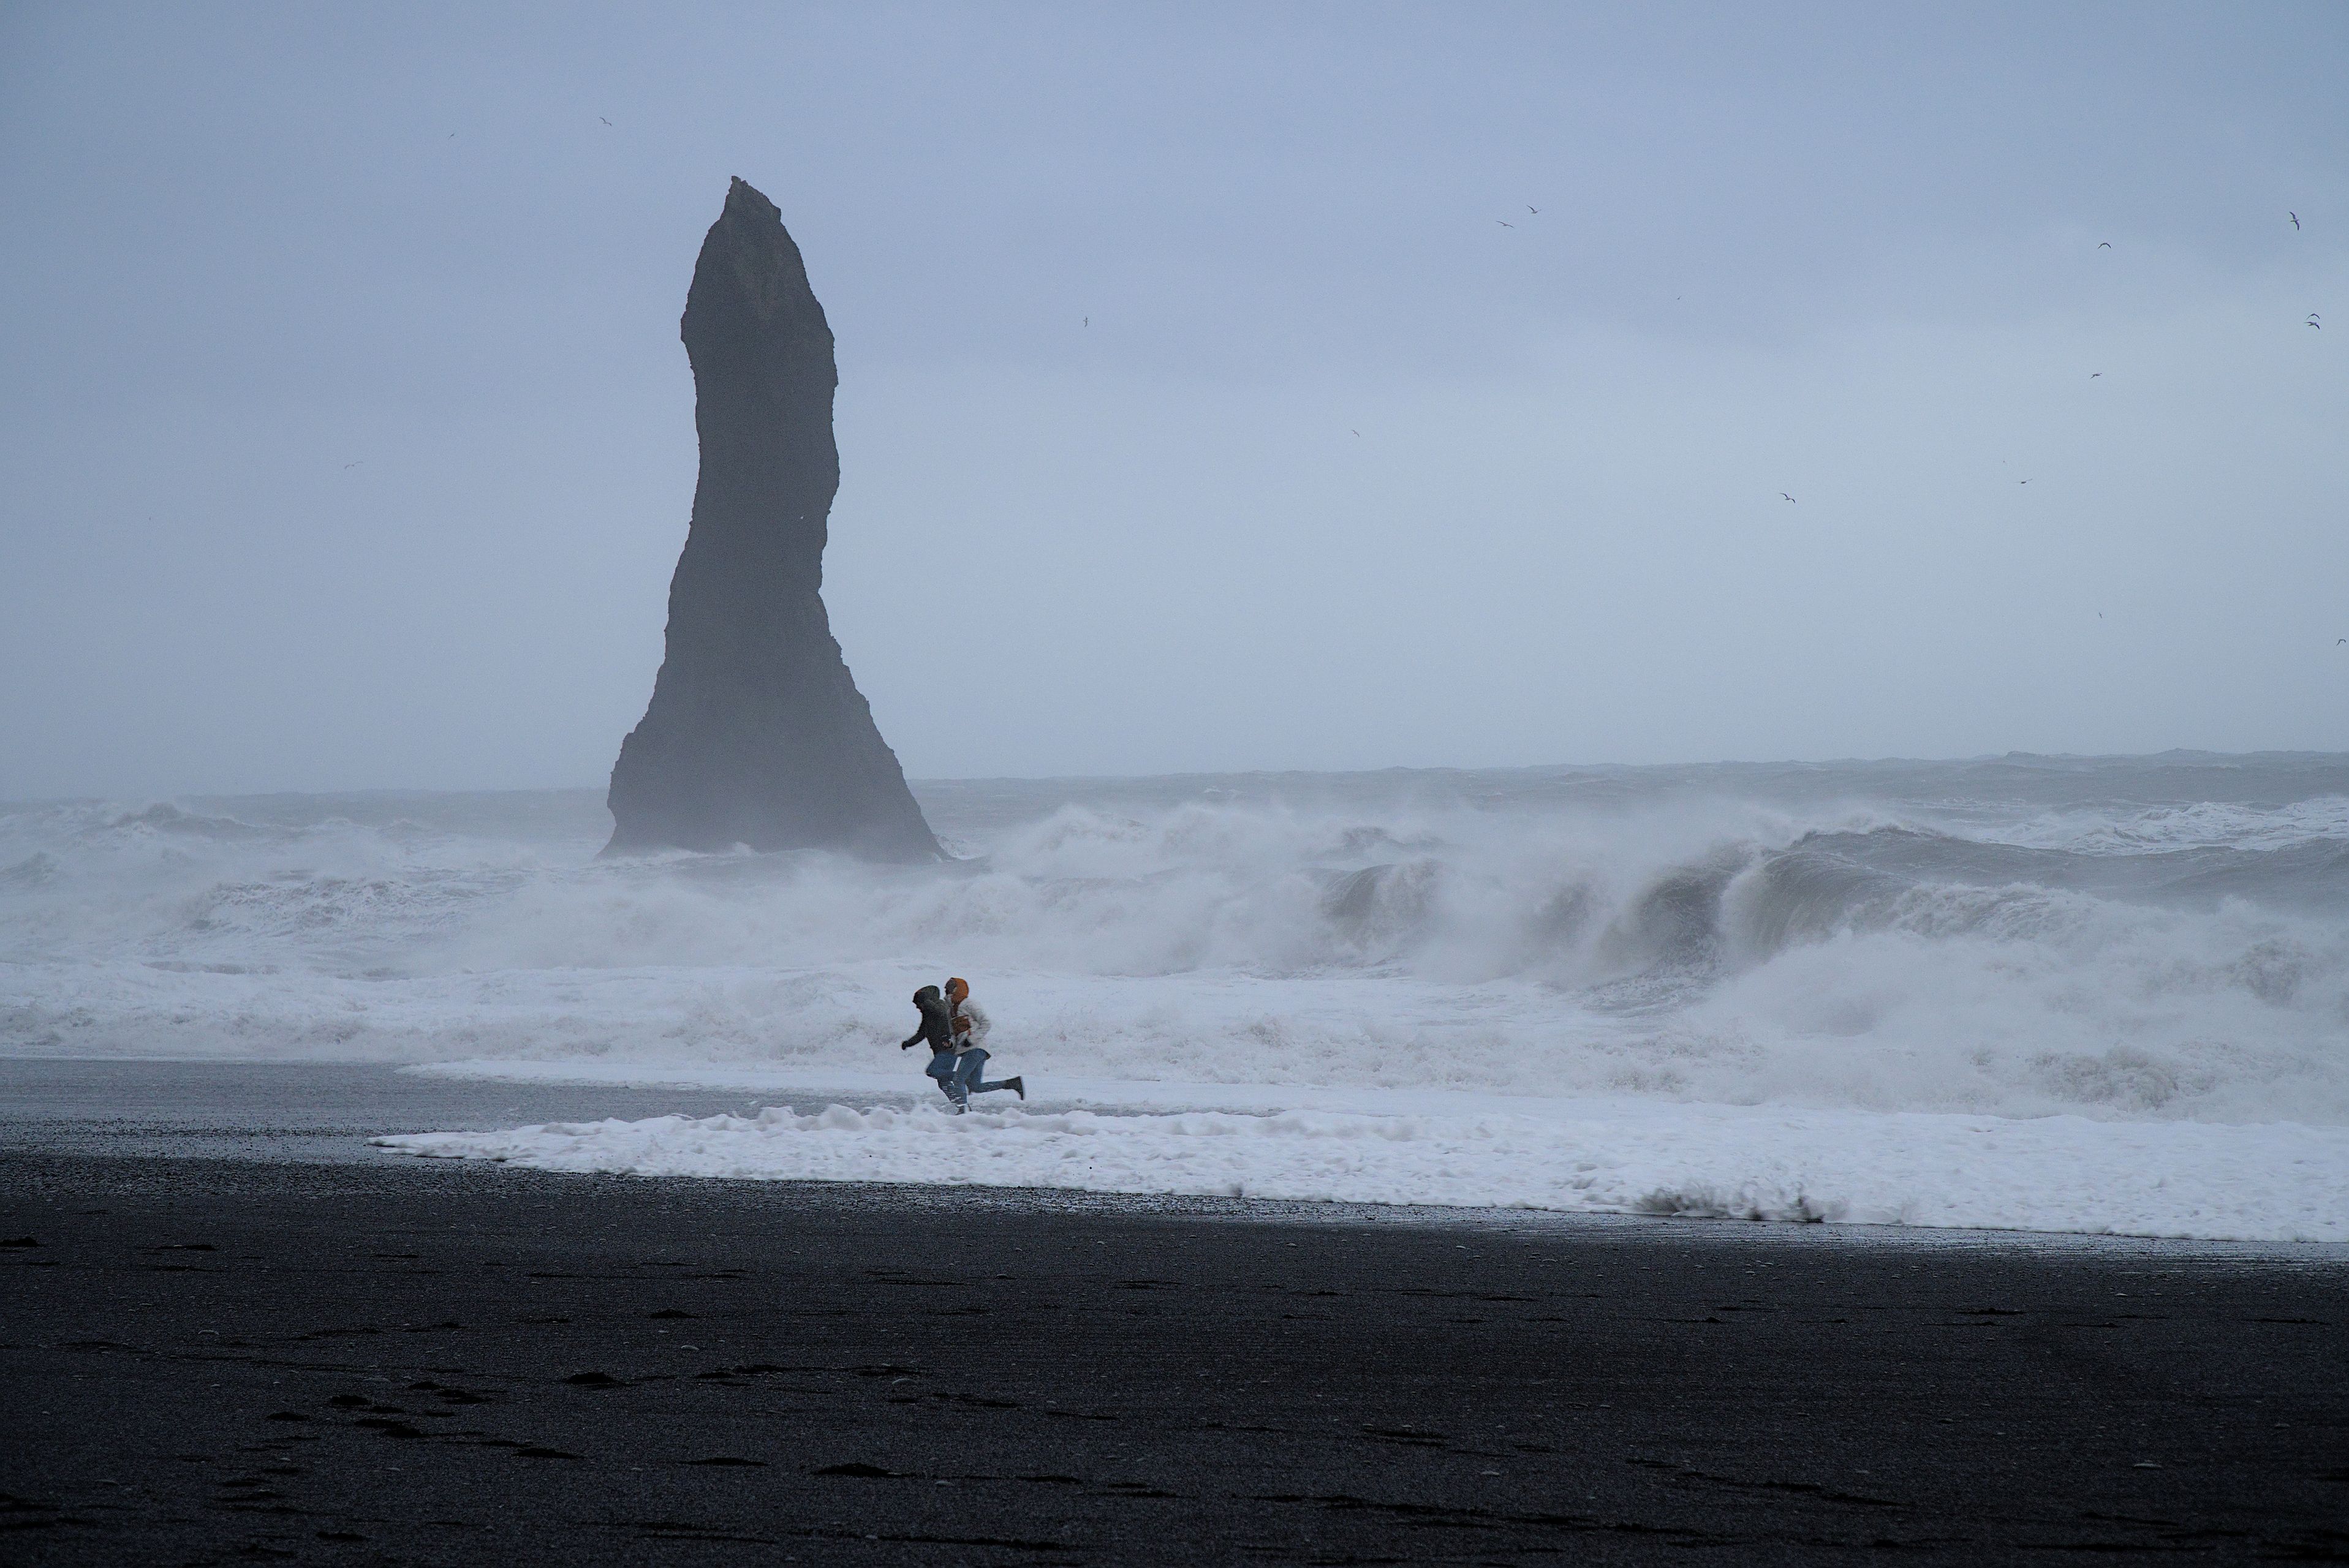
(2018,937)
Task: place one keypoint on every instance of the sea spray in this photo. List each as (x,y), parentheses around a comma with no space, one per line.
(2018,937)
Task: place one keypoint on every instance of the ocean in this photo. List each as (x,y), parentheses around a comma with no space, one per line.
(2052,993)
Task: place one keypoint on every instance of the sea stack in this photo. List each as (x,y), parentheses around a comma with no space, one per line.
(756,733)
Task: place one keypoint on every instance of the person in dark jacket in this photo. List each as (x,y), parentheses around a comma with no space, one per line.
(937,1028)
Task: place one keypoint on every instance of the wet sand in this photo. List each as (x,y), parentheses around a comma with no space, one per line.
(362,1358)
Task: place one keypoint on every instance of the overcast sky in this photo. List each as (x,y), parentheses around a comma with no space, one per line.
(346,438)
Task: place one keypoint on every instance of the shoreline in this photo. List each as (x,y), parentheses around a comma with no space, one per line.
(1909,1174)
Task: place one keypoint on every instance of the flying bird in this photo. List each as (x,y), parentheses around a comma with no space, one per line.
(2295,218)
(1356,432)
(1783,494)
(1504,223)
(1088,321)
(2105,245)
(2095,375)
(1534,211)
(2023,481)
(354,465)
(605,122)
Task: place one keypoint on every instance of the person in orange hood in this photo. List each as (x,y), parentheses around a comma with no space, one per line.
(970,1026)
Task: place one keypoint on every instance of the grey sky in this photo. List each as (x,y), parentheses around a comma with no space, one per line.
(346,438)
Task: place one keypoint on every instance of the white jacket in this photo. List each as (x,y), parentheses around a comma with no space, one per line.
(967,1016)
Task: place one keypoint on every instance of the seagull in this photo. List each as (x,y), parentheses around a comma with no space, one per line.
(2107,245)
(2023,481)
(605,122)
(1783,494)
(1534,211)
(2295,218)
(1357,433)
(1088,321)
(354,465)
(1506,224)
(2095,375)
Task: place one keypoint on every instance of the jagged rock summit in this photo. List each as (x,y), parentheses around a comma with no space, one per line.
(756,733)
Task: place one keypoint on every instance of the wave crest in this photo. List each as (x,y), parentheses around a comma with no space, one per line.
(1852,952)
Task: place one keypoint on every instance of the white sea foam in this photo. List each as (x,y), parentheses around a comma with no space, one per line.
(2061,1174)
(1998,939)
(2201,824)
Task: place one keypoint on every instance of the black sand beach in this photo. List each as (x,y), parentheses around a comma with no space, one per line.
(309,1351)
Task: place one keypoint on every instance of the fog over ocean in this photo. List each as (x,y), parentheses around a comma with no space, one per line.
(1699,989)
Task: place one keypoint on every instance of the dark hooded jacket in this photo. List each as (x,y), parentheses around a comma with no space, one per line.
(938,1023)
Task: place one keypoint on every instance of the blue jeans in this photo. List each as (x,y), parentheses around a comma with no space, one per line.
(958,1076)
(942,1068)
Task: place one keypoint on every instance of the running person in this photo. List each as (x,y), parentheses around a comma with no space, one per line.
(967,1027)
(935,1029)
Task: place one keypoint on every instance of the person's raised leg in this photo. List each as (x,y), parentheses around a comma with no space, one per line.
(977,1083)
(985,1085)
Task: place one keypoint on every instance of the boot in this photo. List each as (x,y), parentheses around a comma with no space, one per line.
(1017,1086)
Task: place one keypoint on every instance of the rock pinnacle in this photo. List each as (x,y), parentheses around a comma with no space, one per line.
(756,733)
